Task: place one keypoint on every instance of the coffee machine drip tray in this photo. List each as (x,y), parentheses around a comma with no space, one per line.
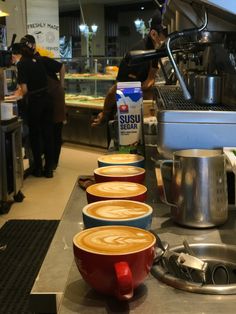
(182,124)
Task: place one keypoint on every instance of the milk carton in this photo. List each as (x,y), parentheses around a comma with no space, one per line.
(129,99)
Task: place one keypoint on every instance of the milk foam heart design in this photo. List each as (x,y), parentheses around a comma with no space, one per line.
(121,170)
(116,187)
(120,212)
(114,239)
(116,190)
(117,212)
(121,159)
(119,173)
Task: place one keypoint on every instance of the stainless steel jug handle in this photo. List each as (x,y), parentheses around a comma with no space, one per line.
(161,183)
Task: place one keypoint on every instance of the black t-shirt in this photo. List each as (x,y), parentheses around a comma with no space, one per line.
(137,72)
(32,73)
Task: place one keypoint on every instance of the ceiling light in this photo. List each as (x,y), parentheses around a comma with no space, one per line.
(94,28)
(138,23)
(83,28)
(141,27)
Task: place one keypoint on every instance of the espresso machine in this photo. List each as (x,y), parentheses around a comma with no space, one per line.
(196,103)
(198,108)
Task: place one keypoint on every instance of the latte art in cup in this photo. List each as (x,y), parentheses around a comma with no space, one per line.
(119,173)
(121,159)
(119,170)
(115,240)
(116,189)
(117,210)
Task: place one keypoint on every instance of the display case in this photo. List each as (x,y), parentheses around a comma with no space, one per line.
(86,87)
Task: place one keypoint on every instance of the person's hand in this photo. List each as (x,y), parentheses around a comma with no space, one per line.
(98,120)
(149,82)
(17,93)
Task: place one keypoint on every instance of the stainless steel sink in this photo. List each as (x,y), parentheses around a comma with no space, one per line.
(220,274)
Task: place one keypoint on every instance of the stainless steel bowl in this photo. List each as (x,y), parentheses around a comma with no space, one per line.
(221,261)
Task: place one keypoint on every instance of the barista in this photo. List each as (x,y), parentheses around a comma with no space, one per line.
(32,80)
(145,72)
(55,77)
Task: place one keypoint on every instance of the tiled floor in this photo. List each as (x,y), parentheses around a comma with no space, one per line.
(46,198)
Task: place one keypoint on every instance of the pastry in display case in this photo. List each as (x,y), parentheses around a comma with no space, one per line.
(85,94)
(91,76)
(96,82)
(84,100)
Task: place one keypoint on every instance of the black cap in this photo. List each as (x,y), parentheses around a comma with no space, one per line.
(28,39)
(156,22)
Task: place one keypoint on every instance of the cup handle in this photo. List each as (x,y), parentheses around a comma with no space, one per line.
(161,181)
(124,280)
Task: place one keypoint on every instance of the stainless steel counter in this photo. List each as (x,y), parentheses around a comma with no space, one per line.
(59,287)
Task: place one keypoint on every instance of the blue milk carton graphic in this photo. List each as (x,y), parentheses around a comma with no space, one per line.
(129,99)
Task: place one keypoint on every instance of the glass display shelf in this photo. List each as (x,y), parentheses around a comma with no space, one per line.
(94,81)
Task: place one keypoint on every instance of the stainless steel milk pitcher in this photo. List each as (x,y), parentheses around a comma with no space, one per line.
(198,187)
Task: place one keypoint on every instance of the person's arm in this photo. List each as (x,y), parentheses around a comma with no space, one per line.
(109,107)
(17,93)
(23,89)
(149,82)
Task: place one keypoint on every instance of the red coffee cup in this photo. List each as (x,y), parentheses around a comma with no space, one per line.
(114,260)
(116,190)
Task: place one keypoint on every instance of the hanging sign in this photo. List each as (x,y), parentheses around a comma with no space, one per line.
(47,38)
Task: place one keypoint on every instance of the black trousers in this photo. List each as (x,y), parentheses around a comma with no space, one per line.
(40,121)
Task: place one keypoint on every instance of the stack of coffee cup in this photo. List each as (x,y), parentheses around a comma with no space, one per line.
(115,252)
(119,176)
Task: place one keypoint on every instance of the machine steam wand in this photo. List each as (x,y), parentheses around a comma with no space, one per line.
(172,37)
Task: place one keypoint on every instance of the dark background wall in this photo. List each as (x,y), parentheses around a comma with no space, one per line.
(120,33)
